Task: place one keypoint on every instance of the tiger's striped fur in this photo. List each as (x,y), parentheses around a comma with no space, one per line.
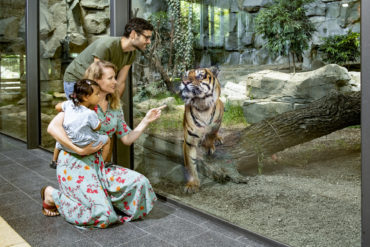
(200,90)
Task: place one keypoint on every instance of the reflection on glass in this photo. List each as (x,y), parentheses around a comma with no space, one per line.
(65,30)
(288,166)
(12,75)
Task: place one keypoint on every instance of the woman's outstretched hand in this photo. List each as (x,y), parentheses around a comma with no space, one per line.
(154,114)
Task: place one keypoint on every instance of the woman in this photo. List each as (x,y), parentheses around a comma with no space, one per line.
(89,191)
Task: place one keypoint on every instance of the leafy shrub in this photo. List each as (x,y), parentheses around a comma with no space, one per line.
(341,49)
(286,27)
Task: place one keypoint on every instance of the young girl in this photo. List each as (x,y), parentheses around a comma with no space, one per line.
(81,123)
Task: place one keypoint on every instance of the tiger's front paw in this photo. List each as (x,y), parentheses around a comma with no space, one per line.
(211,150)
(219,141)
(192,187)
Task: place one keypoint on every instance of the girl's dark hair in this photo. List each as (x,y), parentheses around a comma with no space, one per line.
(82,88)
(138,25)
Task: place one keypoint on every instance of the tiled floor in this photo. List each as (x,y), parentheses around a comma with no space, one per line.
(23,172)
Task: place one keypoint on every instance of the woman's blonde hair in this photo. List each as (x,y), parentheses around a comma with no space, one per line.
(95,72)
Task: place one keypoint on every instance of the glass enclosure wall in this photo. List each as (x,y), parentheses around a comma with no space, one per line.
(287,165)
(66,28)
(13,64)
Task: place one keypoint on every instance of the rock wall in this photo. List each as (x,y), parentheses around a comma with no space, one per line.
(243,46)
(86,20)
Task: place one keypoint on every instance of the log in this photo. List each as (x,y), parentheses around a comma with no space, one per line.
(246,148)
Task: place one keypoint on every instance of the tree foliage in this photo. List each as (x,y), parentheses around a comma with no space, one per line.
(171,51)
(341,49)
(286,27)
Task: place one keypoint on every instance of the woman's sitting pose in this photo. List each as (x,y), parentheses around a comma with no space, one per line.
(89,193)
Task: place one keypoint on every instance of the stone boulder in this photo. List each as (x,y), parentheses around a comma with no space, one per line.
(167,155)
(253,5)
(273,92)
(234,93)
(94,4)
(9,28)
(96,23)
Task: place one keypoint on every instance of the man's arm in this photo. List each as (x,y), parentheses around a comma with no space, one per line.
(121,79)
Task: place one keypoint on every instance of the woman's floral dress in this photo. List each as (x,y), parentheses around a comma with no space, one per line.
(89,193)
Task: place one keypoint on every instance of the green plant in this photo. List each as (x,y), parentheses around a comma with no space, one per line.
(341,49)
(233,115)
(286,27)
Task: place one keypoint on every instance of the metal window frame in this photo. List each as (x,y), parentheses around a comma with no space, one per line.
(120,11)
(365,123)
(33,74)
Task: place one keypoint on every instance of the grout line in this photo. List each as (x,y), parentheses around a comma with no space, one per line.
(38,201)
(23,166)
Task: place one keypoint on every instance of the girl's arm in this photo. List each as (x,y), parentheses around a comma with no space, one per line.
(98,128)
(56,130)
(151,116)
(59,107)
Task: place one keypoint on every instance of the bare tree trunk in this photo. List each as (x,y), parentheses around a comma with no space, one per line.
(246,148)
(171,44)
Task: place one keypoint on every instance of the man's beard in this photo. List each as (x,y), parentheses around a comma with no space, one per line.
(138,48)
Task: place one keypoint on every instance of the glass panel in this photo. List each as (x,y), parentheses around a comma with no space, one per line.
(289,164)
(66,28)
(13,64)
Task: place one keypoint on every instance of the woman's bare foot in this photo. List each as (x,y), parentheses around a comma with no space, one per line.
(48,205)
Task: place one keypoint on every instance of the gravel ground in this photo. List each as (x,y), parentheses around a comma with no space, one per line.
(309,196)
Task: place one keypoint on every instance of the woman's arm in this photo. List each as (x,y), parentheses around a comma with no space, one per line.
(151,116)
(56,130)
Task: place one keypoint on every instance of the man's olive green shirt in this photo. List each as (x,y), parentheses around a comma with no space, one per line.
(105,48)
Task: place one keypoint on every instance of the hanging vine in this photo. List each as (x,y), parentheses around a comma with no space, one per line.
(171,51)
(189,39)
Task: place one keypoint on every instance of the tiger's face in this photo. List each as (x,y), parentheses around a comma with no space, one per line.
(198,87)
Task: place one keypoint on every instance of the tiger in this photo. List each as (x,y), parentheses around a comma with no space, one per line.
(200,90)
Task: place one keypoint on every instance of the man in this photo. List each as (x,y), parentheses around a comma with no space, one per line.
(120,51)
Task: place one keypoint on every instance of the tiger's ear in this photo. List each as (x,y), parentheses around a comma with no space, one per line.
(215,70)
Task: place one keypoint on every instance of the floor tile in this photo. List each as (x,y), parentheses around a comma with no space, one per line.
(191,216)
(211,239)
(222,228)
(253,242)
(115,235)
(16,210)
(13,197)
(53,236)
(83,243)
(175,230)
(5,187)
(147,241)
(158,215)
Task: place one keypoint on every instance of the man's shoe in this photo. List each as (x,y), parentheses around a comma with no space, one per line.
(53,165)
